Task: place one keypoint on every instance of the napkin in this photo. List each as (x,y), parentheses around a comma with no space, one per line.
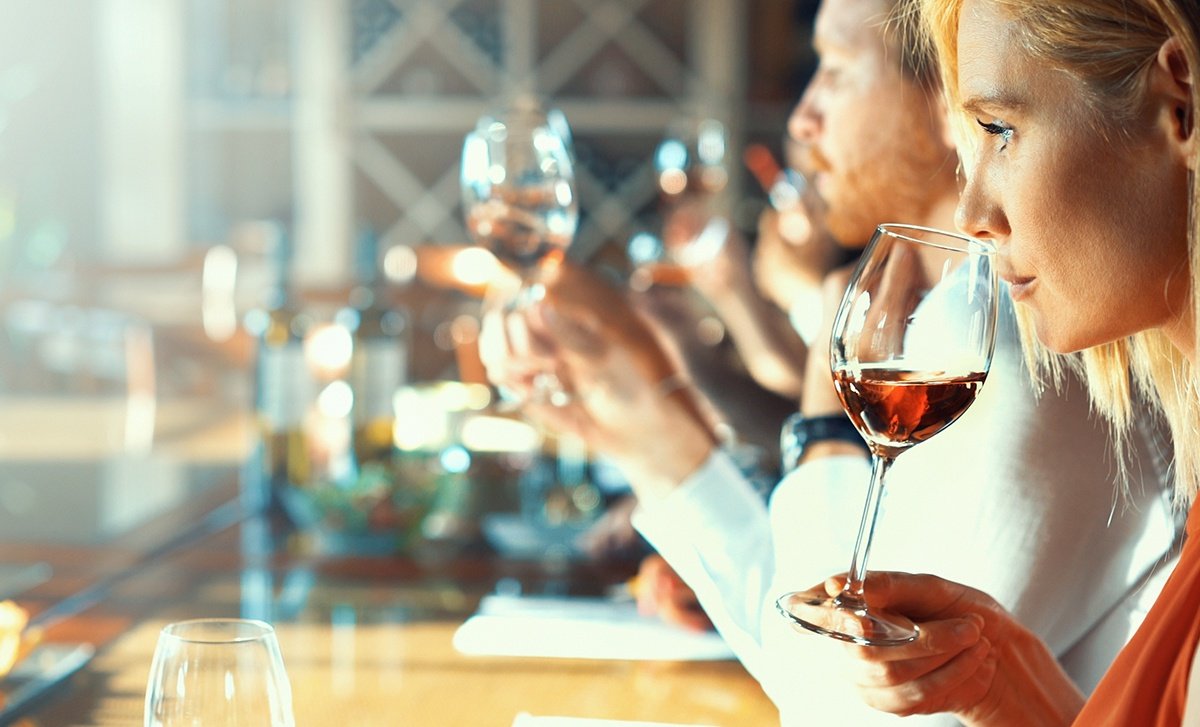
(580,628)
(528,720)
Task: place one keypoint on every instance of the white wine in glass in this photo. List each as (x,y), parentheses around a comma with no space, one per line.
(222,671)
(911,347)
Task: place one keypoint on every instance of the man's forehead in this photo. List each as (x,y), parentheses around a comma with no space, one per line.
(850,25)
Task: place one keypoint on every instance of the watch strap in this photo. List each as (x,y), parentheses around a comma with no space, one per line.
(800,432)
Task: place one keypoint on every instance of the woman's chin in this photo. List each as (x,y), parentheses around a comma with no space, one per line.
(1064,342)
(1052,338)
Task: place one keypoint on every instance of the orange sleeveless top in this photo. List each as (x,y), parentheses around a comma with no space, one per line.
(1146,686)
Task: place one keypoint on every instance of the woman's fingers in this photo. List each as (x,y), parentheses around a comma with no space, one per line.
(578,333)
(952,665)
(956,684)
(937,642)
(918,596)
(947,668)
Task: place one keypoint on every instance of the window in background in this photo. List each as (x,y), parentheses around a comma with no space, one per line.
(338,114)
(131,131)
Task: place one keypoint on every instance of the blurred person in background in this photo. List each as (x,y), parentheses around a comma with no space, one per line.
(1013,487)
(762,294)
(765,294)
(723,320)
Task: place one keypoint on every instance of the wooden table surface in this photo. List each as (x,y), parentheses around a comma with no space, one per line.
(367,641)
(388,674)
(366,638)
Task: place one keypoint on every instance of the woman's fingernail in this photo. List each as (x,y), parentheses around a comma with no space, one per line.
(966,632)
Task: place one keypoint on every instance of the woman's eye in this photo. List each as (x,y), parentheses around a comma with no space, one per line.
(997,128)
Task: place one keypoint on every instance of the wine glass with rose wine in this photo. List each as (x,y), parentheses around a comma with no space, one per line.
(689,166)
(910,349)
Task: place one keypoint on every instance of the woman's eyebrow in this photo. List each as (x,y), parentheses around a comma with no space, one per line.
(993,100)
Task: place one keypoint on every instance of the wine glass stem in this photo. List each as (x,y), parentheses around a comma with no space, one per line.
(852,593)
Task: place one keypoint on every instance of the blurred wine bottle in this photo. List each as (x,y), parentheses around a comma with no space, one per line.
(784,187)
(379,364)
(284,384)
(785,190)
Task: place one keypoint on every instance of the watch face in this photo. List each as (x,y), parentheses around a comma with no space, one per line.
(791,443)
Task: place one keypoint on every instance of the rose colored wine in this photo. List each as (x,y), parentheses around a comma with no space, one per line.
(520,237)
(896,409)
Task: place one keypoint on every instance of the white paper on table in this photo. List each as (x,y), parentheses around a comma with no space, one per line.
(580,628)
(528,720)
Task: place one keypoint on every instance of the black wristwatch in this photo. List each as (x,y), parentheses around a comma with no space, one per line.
(799,432)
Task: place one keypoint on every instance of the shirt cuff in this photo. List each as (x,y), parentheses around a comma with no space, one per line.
(824,478)
(716,496)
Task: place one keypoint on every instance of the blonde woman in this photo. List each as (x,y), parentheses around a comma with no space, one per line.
(1080,149)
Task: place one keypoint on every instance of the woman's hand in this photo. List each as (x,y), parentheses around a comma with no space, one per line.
(971,659)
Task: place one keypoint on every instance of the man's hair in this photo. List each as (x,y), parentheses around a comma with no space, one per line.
(918,61)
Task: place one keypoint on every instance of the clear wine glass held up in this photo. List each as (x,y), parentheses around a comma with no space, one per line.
(518,189)
(911,346)
(218,672)
(520,203)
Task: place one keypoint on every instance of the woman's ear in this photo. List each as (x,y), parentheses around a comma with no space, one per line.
(1171,79)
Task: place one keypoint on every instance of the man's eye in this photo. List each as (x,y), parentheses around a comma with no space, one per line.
(831,75)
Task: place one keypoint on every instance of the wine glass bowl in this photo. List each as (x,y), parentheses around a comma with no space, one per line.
(911,347)
(690,169)
(518,187)
(221,671)
(691,161)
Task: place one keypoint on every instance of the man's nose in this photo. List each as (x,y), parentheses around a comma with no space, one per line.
(804,124)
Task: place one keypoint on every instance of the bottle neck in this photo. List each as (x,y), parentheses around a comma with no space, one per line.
(279,292)
(367,271)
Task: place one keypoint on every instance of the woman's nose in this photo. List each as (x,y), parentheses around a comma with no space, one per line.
(980,213)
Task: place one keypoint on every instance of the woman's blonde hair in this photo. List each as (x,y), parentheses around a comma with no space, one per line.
(1108,45)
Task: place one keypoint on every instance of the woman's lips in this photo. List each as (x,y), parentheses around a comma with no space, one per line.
(1020,287)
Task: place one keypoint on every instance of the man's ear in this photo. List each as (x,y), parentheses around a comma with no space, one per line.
(1171,81)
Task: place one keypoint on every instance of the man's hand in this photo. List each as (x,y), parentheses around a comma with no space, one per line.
(661,591)
(626,398)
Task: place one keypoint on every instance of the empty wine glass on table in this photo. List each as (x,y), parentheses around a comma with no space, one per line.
(911,346)
(225,672)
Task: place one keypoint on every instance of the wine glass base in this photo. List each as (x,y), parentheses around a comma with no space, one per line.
(820,614)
